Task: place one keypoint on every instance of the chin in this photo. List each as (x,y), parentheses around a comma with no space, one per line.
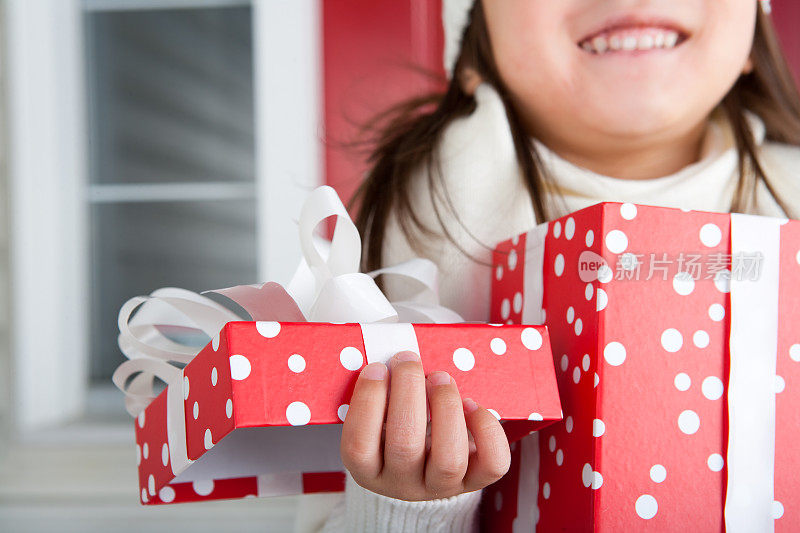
(635,117)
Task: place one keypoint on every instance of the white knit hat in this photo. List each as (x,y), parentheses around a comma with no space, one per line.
(455,17)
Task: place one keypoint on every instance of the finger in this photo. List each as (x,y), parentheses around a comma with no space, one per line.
(448,457)
(492,454)
(404,447)
(363,425)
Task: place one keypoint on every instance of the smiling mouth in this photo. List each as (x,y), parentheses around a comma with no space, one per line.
(627,39)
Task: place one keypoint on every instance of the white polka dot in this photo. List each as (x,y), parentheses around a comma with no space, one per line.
(564,362)
(140,418)
(463,359)
(214,376)
(597,480)
(794,352)
(145,451)
(602,299)
(722,281)
(646,506)
(780,384)
(604,275)
(570,314)
(298,414)
(671,340)
(716,312)
(616,241)
(560,457)
(614,353)
(495,413)
(498,273)
(578,326)
(498,346)
(797,257)
(689,422)
(777,509)
(586,475)
(151,485)
(296,363)
(185,387)
(712,388)
(701,339)
(515,240)
(144,495)
(658,473)
(203,487)
(683,382)
(683,283)
(559,265)
(576,375)
(138,455)
(240,367)
(229,408)
(351,358)
(165,454)
(215,342)
(208,440)
(569,423)
(268,329)
(518,302)
(557,229)
(589,238)
(569,228)
(196,410)
(505,308)
(341,412)
(512,260)
(587,361)
(715,462)
(589,292)
(627,211)
(498,500)
(598,428)
(167,494)
(535,417)
(546,490)
(551,443)
(710,235)
(531,338)
(596,379)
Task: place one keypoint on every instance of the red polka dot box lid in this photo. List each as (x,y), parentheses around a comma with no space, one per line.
(677,350)
(257,410)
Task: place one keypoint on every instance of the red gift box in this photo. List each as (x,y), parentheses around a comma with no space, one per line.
(679,372)
(258,411)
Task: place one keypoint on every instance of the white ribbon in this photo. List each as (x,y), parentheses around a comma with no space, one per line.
(751,382)
(327,287)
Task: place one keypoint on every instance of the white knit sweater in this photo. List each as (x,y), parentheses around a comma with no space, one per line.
(483,182)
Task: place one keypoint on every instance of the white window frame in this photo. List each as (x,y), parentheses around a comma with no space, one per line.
(49,194)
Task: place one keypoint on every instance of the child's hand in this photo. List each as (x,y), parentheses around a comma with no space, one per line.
(396,462)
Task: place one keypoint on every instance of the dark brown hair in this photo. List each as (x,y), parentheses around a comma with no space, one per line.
(411,131)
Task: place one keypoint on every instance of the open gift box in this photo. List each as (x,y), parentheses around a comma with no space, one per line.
(257,410)
(677,348)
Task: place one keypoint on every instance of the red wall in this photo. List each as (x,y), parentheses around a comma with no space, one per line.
(786,15)
(369,49)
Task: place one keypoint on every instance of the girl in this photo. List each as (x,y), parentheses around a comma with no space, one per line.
(551,107)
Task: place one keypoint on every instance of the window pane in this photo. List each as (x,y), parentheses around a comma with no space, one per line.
(139,247)
(171,95)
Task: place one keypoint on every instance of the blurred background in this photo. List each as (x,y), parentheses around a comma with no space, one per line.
(150,143)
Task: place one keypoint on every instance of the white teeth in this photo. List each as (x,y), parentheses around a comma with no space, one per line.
(646,42)
(602,43)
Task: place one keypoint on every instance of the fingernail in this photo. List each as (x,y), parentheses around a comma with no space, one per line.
(469,405)
(374,371)
(439,378)
(405,356)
